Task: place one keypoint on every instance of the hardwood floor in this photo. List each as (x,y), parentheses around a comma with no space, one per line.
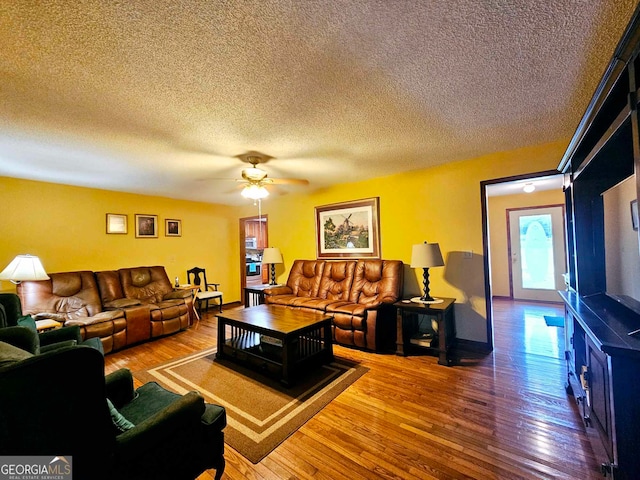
(500,416)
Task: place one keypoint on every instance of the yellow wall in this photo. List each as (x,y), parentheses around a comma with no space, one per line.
(65,226)
(498,234)
(440,204)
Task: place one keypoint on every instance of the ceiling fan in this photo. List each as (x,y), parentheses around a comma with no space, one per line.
(255,179)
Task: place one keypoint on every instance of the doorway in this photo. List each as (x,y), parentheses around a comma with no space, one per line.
(549,179)
(537,252)
(253,240)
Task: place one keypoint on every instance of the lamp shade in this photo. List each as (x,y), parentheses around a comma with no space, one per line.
(271,255)
(426,255)
(254,192)
(24,267)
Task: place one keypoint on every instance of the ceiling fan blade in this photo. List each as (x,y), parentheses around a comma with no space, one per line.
(217,179)
(289,181)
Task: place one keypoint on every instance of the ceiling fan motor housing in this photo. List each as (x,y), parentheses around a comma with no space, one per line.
(253,174)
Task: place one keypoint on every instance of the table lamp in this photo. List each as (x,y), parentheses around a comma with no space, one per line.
(272,255)
(24,267)
(426,255)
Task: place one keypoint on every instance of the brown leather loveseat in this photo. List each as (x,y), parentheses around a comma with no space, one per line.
(100,305)
(169,309)
(358,294)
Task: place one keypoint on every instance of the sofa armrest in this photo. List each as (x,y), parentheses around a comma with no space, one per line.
(58,317)
(119,387)
(177,294)
(283,290)
(389,299)
(21,337)
(55,346)
(185,412)
(371,306)
(97,318)
(63,334)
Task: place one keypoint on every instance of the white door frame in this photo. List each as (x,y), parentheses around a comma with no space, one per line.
(517,291)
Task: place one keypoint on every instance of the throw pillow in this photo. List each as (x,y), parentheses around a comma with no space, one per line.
(10,354)
(120,423)
(27,321)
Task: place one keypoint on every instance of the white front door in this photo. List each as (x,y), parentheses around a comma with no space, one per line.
(537,247)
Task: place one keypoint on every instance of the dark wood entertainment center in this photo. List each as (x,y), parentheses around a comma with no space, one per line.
(603,360)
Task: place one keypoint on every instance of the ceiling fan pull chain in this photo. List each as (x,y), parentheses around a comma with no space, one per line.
(259,200)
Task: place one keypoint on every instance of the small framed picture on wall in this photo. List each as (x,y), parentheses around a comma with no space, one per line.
(634,214)
(146,226)
(172,227)
(116,223)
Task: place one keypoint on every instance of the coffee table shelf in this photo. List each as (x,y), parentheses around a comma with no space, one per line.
(275,339)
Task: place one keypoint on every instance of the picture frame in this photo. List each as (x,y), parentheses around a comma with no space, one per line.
(146,226)
(634,214)
(172,227)
(348,229)
(117,223)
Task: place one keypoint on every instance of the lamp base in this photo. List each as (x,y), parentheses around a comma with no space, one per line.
(273,275)
(419,300)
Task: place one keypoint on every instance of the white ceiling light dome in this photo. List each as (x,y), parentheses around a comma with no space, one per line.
(254,192)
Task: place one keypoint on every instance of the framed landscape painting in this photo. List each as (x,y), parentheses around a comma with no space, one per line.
(349,229)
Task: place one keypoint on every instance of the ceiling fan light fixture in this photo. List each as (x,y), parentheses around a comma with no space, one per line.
(253,174)
(254,192)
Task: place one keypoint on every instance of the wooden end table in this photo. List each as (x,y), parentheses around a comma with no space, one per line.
(194,316)
(254,295)
(47,324)
(275,339)
(407,326)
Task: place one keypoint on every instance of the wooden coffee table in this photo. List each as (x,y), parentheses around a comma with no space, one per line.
(275,339)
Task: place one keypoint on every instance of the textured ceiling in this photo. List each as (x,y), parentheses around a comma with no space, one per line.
(159,97)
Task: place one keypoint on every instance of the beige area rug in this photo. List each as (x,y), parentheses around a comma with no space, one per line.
(261,413)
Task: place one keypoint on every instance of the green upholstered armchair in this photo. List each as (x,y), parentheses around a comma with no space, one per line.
(56,404)
(11,316)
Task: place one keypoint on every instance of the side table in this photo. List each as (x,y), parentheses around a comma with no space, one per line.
(254,295)
(407,326)
(47,324)
(194,315)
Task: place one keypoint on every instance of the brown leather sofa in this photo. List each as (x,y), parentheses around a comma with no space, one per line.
(358,294)
(100,305)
